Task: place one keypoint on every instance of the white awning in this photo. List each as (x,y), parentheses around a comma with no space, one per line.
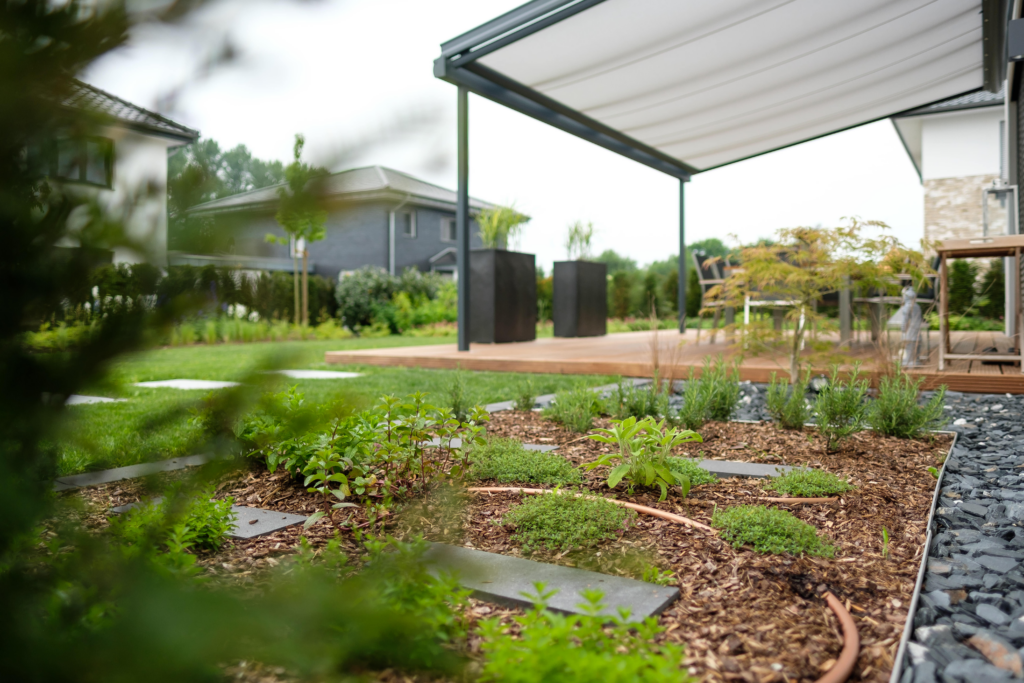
(703,83)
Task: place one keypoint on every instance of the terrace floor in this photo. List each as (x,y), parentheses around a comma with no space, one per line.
(630,354)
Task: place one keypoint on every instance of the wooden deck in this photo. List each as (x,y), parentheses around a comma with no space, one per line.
(630,354)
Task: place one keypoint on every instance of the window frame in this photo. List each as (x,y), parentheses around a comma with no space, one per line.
(81,145)
(446,224)
(412,224)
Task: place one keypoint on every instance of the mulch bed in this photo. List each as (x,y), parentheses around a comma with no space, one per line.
(742,616)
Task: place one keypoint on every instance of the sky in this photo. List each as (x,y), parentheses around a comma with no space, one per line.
(355,77)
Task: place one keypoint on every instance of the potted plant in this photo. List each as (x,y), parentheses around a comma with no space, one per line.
(581,289)
(503,283)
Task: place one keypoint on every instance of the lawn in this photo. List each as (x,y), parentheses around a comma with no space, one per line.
(154,424)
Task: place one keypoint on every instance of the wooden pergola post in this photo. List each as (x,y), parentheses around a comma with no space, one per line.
(943,313)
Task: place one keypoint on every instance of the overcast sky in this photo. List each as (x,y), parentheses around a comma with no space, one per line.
(355,77)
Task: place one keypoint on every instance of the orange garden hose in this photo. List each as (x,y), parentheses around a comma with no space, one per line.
(839,672)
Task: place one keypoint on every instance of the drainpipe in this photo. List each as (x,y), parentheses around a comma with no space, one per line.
(391,234)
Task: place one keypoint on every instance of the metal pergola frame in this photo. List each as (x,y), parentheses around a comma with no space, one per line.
(459,65)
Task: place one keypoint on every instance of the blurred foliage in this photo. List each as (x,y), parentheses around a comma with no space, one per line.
(371,296)
(962,277)
(501,227)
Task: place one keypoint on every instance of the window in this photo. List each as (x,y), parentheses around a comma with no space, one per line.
(406,223)
(88,160)
(448,232)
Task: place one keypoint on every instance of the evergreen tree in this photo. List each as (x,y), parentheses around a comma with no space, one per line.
(991,302)
(962,277)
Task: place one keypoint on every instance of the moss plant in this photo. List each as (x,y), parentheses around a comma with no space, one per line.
(506,461)
(769,531)
(561,522)
(808,483)
(692,470)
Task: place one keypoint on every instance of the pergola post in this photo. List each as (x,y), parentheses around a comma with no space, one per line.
(943,313)
(462,221)
(681,289)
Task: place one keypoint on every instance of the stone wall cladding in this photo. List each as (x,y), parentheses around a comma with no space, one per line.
(953,207)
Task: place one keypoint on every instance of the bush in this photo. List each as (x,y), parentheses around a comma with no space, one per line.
(578,649)
(962,277)
(808,483)
(526,397)
(715,395)
(371,297)
(457,395)
(629,400)
(991,302)
(769,531)
(361,293)
(507,461)
(840,408)
(560,522)
(575,409)
(692,470)
(789,407)
(896,411)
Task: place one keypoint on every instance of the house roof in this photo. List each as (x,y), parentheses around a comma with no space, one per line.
(972,100)
(91,98)
(357,184)
(690,85)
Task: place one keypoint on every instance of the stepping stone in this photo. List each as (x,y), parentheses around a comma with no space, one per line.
(248,523)
(315,374)
(728,468)
(186,384)
(502,579)
(79,400)
(457,443)
(130,472)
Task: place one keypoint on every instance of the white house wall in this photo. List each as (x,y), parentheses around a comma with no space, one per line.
(960,144)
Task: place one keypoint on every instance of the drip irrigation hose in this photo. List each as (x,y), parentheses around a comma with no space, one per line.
(839,672)
(843,667)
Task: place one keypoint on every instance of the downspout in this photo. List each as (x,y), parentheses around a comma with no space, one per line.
(391,235)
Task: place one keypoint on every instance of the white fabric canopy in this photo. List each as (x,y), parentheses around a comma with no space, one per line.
(710,82)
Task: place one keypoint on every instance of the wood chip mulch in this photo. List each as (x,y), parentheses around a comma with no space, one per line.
(742,616)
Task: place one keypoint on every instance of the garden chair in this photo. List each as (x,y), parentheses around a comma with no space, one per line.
(709,275)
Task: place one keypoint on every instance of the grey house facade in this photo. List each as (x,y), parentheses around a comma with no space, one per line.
(376,217)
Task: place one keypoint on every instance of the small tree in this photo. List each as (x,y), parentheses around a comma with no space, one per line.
(577,241)
(803,265)
(501,226)
(300,214)
(962,277)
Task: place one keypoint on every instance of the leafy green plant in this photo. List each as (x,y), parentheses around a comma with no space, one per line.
(788,406)
(574,409)
(661,577)
(629,400)
(578,649)
(526,396)
(457,394)
(507,461)
(934,472)
(578,237)
(840,408)
(769,530)
(691,469)
(808,483)
(896,411)
(565,521)
(885,543)
(693,414)
(644,448)
(500,227)
(722,384)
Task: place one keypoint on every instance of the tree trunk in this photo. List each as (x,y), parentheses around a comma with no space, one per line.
(305,287)
(794,356)
(295,279)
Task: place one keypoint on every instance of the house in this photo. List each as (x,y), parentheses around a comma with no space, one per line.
(122,164)
(376,216)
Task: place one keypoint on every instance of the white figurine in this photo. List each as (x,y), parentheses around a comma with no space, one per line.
(912,320)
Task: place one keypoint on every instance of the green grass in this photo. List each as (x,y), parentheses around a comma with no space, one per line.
(697,475)
(117,434)
(565,522)
(506,461)
(769,530)
(808,483)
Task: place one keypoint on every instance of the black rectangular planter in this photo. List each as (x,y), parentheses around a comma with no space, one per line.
(581,299)
(502,296)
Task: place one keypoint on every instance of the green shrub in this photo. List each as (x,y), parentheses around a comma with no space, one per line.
(560,522)
(962,277)
(644,448)
(840,408)
(896,411)
(692,470)
(769,531)
(991,302)
(808,483)
(506,461)
(715,395)
(526,397)
(457,395)
(575,409)
(788,406)
(694,411)
(578,649)
(629,400)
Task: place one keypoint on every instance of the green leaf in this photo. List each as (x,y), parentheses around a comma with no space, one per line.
(649,473)
(616,475)
(338,506)
(684,482)
(313,519)
(665,474)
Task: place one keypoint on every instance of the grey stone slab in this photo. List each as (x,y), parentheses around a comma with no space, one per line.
(252,522)
(80,400)
(998,564)
(187,384)
(58,487)
(316,374)
(457,443)
(728,468)
(132,471)
(504,580)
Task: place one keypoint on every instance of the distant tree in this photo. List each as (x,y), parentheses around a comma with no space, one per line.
(962,277)
(650,296)
(621,294)
(693,294)
(670,291)
(991,303)
(615,262)
(712,246)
